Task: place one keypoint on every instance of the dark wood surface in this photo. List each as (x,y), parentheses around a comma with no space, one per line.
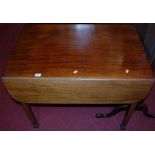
(94,50)
(79,63)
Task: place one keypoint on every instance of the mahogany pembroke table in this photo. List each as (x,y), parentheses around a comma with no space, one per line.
(79,64)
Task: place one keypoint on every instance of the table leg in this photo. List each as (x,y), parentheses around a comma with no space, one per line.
(129,108)
(116,110)
(30,115)
(128,115)
(141,106)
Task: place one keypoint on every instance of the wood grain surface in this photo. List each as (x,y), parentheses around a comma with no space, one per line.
(70,91)
(94,50)
(79,63)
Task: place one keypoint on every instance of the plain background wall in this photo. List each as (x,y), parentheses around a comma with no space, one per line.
(147,34)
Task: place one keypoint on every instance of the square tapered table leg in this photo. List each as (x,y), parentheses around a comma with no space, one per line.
(30,114)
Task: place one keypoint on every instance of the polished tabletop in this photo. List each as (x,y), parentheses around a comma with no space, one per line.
(79,50)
